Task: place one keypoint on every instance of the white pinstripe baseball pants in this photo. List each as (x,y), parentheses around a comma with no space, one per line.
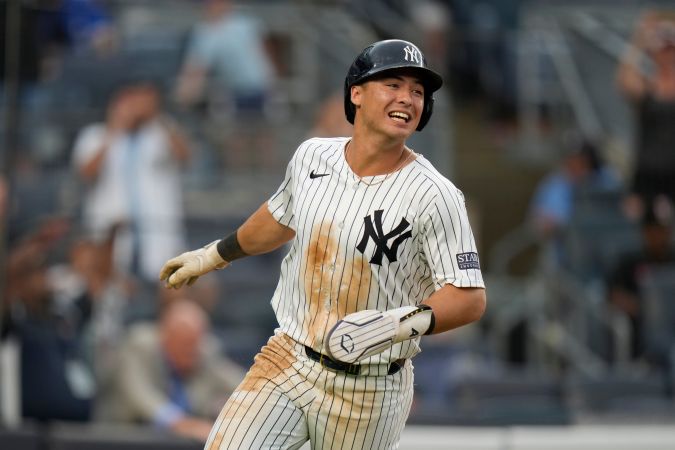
(287,398)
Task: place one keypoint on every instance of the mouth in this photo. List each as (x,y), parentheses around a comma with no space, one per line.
(400,116)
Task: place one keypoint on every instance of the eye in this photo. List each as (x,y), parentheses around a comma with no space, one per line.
(418,92)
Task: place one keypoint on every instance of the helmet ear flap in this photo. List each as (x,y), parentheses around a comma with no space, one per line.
(426,112)
(350,109)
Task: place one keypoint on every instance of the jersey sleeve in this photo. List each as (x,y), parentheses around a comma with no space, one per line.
(448,242)
(281,203)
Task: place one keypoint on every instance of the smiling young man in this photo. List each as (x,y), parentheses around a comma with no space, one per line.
(381,253)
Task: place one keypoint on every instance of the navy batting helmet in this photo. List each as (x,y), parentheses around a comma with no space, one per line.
(388,55)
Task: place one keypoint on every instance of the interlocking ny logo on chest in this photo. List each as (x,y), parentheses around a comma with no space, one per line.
(372,229)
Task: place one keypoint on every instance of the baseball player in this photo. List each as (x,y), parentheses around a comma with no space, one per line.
(381,253)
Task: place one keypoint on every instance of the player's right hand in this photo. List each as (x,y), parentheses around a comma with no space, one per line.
(189,266)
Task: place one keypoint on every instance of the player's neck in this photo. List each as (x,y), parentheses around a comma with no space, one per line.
(368,157)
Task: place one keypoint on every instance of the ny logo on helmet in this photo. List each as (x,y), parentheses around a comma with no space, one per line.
(412,54)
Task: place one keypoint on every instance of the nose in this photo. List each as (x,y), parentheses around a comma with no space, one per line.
(404,96)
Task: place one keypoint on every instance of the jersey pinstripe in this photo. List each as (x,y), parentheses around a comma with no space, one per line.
(380,242)
(287,399)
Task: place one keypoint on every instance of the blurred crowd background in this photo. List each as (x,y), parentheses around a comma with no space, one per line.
(133,130)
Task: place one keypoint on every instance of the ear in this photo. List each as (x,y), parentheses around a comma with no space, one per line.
(356,92)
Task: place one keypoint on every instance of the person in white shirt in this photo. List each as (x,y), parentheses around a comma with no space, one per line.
(131,169)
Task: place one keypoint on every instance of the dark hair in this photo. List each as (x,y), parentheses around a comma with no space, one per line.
(653,217)
(575,144)
(590,151)
(133,80)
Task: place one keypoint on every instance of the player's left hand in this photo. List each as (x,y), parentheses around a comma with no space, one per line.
(366,333)
(189,266)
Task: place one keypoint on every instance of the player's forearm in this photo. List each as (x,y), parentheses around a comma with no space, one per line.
(454,307)
(261,233)
(371,331)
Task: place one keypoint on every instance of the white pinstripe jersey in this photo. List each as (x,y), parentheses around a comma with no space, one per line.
(358,246)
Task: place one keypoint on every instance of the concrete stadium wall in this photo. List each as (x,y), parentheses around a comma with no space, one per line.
(578,437)
(581,437)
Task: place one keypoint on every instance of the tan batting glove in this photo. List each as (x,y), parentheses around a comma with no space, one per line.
(189,266)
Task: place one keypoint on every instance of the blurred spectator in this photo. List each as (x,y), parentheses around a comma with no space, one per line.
(88,287)
(48,29)
(330,120)
(625,283)
(646,77)
(227,68)
(90,26)
(171,374)
(36,194)
(42,37)
(3,197)
(482,53)
(206,294)
(433,19)
(131,168)
(229,45)
(552,204)
(55,381)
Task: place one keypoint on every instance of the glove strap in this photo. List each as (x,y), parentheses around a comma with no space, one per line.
(414,321)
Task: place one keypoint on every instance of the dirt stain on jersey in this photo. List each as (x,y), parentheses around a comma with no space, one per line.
(273,359)
(268,367)
(334,286)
